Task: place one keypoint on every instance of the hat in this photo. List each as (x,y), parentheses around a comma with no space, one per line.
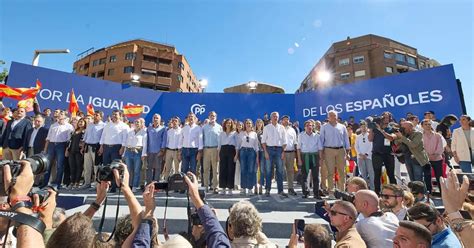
(417,187)
(177,241)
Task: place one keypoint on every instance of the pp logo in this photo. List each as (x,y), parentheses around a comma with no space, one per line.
(198,109)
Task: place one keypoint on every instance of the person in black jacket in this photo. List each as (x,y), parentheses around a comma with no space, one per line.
(36,137)
(14,136)
(75,154)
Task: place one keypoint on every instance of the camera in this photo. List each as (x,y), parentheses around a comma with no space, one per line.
(344,196)
(104,172)
(373,121)
(195,220)
(43,193)
(175,183)
(39,164)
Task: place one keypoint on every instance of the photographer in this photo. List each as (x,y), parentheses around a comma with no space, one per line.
(414,141)
(381,135)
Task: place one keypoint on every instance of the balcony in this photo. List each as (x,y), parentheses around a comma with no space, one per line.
(166,54)
(165,68)
(163,81)
(149,79)
(149,65)
(150,52)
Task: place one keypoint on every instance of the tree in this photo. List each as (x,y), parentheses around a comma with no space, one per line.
(4,72)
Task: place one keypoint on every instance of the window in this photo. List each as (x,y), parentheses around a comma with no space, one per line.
(358,59)
(422,65)
(100,74)
(344,61)
(93,74)
(102,61)
(164,61)
(388,69)
(345,75)
(86,66)
(148,72)
(411,60)
(110,72)
(113,58)
(388,55)
(360,73)
(74,70)
(128,69)
(95,62)
(180,78)
(400,57)
(163,74)
(149,58)
(130,56)
(81,67)
(181,65)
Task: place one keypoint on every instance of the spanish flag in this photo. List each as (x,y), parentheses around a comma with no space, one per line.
(131,111)
(30,92)
(73,106)
(90,109)
(19,93)
(27,104)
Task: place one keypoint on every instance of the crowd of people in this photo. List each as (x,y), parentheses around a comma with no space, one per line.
(237,155)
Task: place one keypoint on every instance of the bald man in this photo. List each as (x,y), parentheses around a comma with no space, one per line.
(377,228)
(418,164)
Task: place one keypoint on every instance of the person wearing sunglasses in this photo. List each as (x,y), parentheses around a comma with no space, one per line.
(247,145)
(343,215)
(430,217)
(364,155)
(392,200)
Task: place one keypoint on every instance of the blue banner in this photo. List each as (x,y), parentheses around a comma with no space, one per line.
(430,89)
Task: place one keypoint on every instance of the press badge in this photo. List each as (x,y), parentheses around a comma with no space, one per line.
(386,142)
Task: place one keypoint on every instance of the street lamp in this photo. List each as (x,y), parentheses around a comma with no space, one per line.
(203,84)
(252,86)
(38,52)
(135,78)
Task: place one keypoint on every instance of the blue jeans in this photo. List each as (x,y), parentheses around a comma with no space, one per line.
(261,157)
(248,167)
(188,158)
(422,173)
(56,152)
(274,159)
(466,166)
(134,165)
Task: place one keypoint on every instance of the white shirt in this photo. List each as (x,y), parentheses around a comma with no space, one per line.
(136,139)
(434,125)
(247,140)
(363,145)
(227,139)
(33,136)
(378,231)
(60,133)
(291,138)
(173,138)
(93,133)
(114,133)
(191,137)
(309,143)
(274,135)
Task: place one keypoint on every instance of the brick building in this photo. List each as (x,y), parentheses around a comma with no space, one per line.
(362,58)
(143,63)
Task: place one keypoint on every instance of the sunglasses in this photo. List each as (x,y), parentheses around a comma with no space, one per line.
(248,139)
(363,140)
(386,197)
(334,213)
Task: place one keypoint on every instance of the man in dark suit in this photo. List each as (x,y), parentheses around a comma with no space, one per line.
(14,136)
(36,137)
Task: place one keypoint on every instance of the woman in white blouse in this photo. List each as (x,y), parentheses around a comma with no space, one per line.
(135,150)
(247,143)
(227,143)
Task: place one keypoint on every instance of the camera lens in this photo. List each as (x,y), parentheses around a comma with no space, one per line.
(39,163)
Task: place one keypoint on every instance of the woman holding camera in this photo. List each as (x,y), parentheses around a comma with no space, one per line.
(74,154)
(247,143)
(227,156)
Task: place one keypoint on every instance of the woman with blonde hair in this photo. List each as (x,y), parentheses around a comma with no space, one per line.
(247,144)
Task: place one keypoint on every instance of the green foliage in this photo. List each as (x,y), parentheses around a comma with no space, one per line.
(4,72)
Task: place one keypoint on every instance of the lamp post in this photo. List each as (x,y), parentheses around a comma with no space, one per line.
(252,86)
(38,52)
(203,84)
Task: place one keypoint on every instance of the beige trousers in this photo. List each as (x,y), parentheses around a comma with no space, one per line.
(290,168)
(171,158)
(210,161)
(335,159)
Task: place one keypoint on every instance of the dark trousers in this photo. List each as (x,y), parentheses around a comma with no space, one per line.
(438,171)
(188,160)
(56,152)
(312,159)
(226,166)
(378,161)
(76,161)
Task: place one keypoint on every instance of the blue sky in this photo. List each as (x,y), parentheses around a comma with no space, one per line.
(231,42)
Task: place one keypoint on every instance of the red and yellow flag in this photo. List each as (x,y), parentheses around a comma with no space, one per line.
(131,111)
(31,92)
(27,104)
(90,109)
(73,106)
(19,93)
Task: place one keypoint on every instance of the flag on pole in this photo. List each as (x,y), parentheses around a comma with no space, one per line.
(131,111)
(73,106)
(27,104)
(90,109)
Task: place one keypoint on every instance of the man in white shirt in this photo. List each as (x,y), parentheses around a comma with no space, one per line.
(211,132)
(173,139)
(192,144)
(309,146)
(112,139)
(273,144)
(92,144)
(56,142)
(290,152)
(377,228)
(135,146)
(364,155)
